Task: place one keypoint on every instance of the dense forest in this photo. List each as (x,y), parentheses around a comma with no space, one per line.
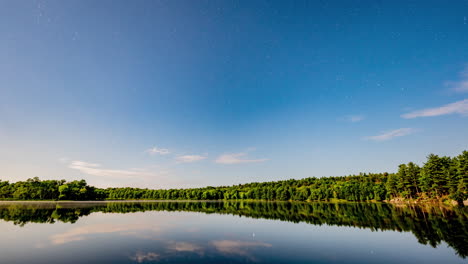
(440,178)
(429,224)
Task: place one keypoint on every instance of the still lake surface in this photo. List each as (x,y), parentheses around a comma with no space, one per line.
(230,232)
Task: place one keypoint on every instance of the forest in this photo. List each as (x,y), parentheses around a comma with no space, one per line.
(439,178)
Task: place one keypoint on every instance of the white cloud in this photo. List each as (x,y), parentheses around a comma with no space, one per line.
(460,86)
(155,150)
(236,158)
(460,107)
(128,225)
(189,158)
(87,231)
(185,247)
(96,170)
(141,257)
(81,233)
(241,248)
(135,177)
(392,134)
(355,118)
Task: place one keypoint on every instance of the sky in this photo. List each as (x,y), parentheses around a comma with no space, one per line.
(176,94)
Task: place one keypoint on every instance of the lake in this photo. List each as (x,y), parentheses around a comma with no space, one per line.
(230,232)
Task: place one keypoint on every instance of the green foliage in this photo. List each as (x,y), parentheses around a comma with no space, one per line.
(35,189)
(439,177)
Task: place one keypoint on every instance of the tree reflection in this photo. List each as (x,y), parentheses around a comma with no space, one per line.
(430,224)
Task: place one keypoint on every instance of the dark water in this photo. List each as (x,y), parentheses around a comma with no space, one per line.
(230,232)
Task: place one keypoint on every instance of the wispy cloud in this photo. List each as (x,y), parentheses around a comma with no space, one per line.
(185,247)
(86,232)
(459,107)
(236,158)
(141,257)
(81,233)
(96,170)
(355,118)
(241,248)
(392,134)
(189,158)
(460,86)
(155,150)
(128,225)
(134,177)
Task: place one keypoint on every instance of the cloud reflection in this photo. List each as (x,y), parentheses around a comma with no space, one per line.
(141,257)
(236,247)
(185,247)
(141,230)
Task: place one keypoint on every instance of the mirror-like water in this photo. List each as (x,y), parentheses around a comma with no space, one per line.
(230,232)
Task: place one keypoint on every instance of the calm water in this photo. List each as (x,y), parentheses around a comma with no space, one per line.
(230,232)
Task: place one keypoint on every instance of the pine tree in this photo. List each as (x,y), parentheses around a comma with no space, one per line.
(391,185)
(434,175)
(403,181)
(462,166)
(452,176)
(413,173)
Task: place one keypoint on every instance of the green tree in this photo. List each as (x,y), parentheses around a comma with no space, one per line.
(391,185)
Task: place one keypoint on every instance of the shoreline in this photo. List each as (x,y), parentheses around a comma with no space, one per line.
(432,202)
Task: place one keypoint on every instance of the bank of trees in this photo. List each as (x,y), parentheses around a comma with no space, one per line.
(353,188)
(36,189)
(440,177)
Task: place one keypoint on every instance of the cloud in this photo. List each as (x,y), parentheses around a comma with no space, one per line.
(355,118)
(236,158)
(155,150)
(392,134)
(460,107)
(134,177)
(87,231)
(235,247)
(141,257)
(96,170)
(189,158)
(80,233)
(185,247)
(460,86)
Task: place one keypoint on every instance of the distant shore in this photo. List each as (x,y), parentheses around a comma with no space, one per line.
(393,201)
(441,180)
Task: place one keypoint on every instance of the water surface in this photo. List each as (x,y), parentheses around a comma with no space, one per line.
(230,232)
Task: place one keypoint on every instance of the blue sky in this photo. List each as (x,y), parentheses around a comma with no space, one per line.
(193,93)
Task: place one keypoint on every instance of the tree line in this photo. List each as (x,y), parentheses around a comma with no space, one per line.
(440,177)
(36,189)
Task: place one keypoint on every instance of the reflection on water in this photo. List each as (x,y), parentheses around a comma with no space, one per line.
(207,232)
